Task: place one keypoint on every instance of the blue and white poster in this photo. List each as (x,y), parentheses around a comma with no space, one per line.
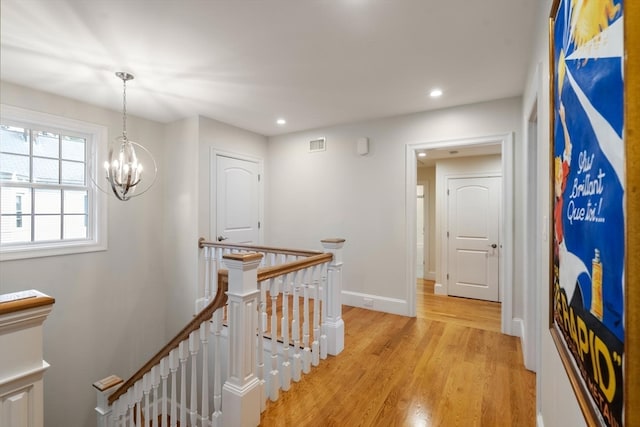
(588,198)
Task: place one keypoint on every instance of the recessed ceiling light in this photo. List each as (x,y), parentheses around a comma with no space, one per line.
(435,93)
(422,154)
(281,122)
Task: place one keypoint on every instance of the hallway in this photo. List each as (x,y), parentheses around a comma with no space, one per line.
(442,368)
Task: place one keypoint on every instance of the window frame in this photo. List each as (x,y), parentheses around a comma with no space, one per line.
(95,151)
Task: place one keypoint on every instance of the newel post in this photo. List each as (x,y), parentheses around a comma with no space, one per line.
(333,317)
(241,393)
(104,388)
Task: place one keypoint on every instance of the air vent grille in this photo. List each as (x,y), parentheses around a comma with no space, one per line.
(318,144)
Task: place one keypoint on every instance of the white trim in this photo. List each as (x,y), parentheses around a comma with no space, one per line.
(97,211)
(378,303)
(506,264)
(531,229)
(539,420)
(439,288)
(213,153)
(517,326)
(430,275)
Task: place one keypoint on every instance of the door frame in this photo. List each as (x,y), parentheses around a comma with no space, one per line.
(444,249)
(213,196)
(506,260)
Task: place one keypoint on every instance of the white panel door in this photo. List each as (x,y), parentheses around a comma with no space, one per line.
(474,237)
(237,200)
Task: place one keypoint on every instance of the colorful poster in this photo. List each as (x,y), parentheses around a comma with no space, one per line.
(588,199)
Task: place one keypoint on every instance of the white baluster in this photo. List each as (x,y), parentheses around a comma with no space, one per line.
(306,355)
(155,376)
(323,320)
(284,326)
(295,330)
(137,392)
(183,355)
(315,346)
(173,368)
(164,374)
(207,273)
(204,411)
(146,388)
(130,404)
(216,329)
(193,351)
(274,374)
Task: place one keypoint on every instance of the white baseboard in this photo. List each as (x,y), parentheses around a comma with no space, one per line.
(439,289)
(431,275)
(517,328)
(539,420)
(375,302)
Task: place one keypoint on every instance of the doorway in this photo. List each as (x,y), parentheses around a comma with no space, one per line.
(505,270)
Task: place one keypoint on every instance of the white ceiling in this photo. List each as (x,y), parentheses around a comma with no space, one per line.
(247,63)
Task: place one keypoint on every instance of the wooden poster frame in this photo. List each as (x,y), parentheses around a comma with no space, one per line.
(631,212)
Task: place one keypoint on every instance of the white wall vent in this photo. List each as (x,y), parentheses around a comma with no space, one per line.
(318,144)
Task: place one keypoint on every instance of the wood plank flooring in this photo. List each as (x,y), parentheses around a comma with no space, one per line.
(446,367)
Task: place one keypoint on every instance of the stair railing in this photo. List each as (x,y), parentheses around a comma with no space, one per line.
(235,386)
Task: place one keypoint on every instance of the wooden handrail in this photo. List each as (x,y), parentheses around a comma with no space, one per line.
(279,270)
(23,301)
(219,301)
(202,242)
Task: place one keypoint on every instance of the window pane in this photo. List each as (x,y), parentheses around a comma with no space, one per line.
(14,140)
(45,171)
(75,202)
(75,227)
(72,173)
(15,200)
(15,229)
(73,148)
(14,167)
(47,202)
(46,144)
(46,227)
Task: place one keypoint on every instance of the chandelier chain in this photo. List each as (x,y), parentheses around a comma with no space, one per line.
(124,108)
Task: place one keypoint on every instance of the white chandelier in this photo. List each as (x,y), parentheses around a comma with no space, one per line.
(123,168)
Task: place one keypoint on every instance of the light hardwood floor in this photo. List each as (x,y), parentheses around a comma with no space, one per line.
(449,366)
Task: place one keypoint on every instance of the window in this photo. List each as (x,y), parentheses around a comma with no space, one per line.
(48,205)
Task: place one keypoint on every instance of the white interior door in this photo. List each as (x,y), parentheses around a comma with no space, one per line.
(474,237)
(420,232)
(237,200)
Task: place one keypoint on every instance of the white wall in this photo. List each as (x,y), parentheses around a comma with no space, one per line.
(455,167)
(338,193)
(109,309)
(557,405)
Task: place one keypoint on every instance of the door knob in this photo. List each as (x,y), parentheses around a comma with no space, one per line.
(493,245)
(221,238)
